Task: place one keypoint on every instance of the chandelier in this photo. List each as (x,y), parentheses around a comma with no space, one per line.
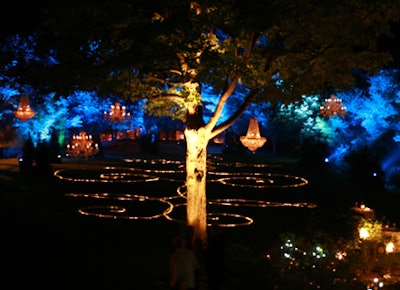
(117,113)
(333,106)
(24,111)
(82,146)
(253,139)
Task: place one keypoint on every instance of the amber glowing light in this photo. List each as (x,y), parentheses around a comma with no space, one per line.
(172,205)
(332,106)
(24,111)
(82,146)
(253,139)
(117,113)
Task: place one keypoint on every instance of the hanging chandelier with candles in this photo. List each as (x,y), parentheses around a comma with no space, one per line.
(253,139)
(117,113)
(333,106)
(24,111)
(82,146)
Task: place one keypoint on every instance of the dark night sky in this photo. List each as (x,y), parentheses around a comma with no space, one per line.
(393,45)
(17,15)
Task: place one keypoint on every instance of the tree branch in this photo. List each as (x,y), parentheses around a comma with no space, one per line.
(172,97)
(236,115)
(230,88)
(161,80)
(221,102)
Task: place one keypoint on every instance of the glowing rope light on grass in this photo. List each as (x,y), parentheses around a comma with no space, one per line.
(109,177)
(269,181)
(258,180)
(227,181)
(123,175)
(259,203)
(119,212)
(216,218)
(154,161)
(241,164)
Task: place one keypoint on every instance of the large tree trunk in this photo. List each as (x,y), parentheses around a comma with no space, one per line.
(196,172)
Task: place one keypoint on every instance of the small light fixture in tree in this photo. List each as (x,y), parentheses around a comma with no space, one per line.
(333,106)
(253,139)
(82,146)
(117,113)
(24,111)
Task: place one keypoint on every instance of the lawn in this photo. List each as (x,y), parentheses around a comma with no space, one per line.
(48,244)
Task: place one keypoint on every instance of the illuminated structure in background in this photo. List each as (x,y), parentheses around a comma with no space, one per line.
(117,113)
(333,106)
(253,139)
(82,146)
(24,111)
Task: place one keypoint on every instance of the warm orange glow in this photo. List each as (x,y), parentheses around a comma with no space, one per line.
(196,176)
(333,106)
(24,111)
(340,255)
(110,177)
(363,233)
(82,146)
(117,113)
(174,203)
(389,247)
(119,212)
(253,139)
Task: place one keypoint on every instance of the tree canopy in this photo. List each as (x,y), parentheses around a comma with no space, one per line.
(150,48)
(167,52)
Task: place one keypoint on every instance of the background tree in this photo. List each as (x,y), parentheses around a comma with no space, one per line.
(278,50)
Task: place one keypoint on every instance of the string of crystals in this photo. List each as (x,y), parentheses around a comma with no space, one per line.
(82,146)
(253,139)
(24,111)
(117,113)
(333,106)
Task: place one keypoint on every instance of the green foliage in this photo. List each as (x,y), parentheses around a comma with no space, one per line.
(321,261)
(310,262)
(298,121)
(161,107)
(373,227)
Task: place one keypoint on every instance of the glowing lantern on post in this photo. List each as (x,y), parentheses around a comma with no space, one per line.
(24,111)
(253,139)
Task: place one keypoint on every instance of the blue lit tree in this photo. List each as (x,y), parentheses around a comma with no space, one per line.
(369,131)
(298,127)
(372,119)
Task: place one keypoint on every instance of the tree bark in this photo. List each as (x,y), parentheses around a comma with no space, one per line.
(196,172)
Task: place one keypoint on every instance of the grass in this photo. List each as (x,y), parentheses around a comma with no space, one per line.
(47,244)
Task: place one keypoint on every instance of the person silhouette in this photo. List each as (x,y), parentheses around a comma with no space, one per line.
(183,266)
(215,258)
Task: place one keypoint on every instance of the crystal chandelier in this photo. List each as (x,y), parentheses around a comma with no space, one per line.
(24,111)
(253,139)
(82,146)
(333,106)
(117,113)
